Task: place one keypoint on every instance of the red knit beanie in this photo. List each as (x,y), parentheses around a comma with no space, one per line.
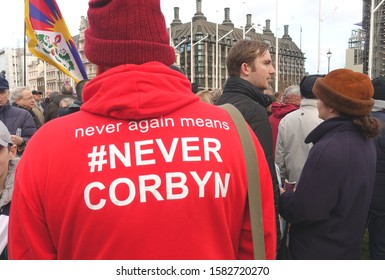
(127,32)
(346,91)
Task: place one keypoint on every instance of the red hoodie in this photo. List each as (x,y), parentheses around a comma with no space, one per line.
(144,171)
(278,111)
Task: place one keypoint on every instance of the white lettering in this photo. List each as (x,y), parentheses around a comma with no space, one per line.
(214,150)
(186,149)
(180,184)
(220,188)
(125,159)
(140,152)
(149,188)
(167,155)
(176,186)
(112,191)
(201,182)
(87,199)
(90,131)
(144,125)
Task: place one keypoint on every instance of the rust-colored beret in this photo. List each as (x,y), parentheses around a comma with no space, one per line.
(346,91)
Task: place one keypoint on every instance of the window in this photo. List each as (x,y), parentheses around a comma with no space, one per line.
(267,42)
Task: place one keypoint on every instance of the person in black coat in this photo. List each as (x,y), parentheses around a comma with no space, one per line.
(251,71)
(329,208)
(51,113)
(376,222)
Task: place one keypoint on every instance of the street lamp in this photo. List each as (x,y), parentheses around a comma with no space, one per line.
(329,55)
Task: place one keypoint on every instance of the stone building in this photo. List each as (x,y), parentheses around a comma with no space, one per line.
(209,65)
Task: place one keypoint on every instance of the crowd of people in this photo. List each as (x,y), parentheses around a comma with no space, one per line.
(140,164)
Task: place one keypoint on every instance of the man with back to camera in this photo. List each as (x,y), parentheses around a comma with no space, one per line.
(291,150)
(160,170)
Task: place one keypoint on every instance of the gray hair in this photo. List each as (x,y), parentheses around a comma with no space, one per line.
(291,90)
(17,93)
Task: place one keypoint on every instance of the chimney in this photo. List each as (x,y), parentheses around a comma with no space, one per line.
(267,30)
(227,20)
(248,23)
(286,35)
(199,6)
(176,20)
(199,15)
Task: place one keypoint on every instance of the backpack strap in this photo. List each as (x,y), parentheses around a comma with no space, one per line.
(253,183)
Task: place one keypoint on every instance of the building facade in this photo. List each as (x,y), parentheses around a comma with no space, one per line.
(12,62)
(355,52)
(205,62)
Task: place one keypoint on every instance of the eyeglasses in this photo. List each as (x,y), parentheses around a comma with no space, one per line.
(28,98)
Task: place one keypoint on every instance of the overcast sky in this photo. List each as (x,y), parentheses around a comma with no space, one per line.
(338,19)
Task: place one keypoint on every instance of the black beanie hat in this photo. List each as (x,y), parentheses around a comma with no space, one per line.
(306,86)
(379,88)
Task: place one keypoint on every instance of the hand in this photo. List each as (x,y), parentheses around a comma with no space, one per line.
(17,140)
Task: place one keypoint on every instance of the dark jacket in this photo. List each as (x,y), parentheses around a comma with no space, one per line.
(329,209)
(378,201)
(45,103)
(252,103)
(73,108)
(36,120)
(15,118)
(53,107)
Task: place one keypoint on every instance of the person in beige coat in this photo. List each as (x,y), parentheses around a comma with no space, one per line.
(291,151)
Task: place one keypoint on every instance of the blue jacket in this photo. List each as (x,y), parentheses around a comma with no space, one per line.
(15,118)
(329,209)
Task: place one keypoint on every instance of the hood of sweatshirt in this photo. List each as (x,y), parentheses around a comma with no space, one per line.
(137,92)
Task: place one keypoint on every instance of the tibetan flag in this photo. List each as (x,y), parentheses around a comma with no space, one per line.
(49,38)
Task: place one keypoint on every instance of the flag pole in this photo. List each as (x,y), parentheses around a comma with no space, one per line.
(45,76)
(276,48)
(25,55)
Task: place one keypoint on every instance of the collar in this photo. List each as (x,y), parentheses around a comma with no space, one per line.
(379,105)
(308,102)
(241,86)
(329,125)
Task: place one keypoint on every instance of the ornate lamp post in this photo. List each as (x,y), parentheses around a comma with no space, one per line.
(329,55)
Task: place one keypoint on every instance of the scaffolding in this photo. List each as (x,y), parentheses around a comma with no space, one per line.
(378,48)
(357,43)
